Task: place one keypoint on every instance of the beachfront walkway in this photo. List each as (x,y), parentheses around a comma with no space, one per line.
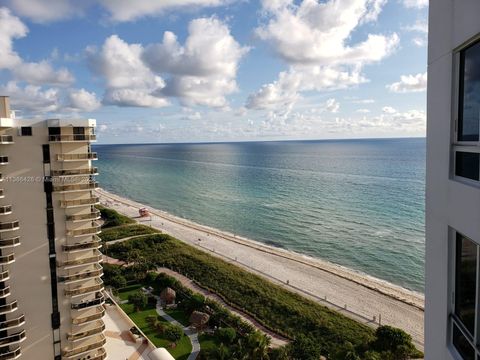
(355,295)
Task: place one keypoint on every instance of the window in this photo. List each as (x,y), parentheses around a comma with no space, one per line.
(465,326)
(26,131)
(53,131)
(467,138)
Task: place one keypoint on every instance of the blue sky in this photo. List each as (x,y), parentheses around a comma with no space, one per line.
(219,70)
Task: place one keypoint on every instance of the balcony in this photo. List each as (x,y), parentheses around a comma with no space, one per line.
(1,177)
(4,275)
(70,353)
(75,187)
(3,160)
(94,215)
(7,259)
(97,258)
(93,230)
(82,275)
(6,139)
(8,243)
(9,225)
(10,324)
(5,292)
(6,309)
(85,304)
(13,354)
(99,313)
(75,172)
(2,193)
(85,289)
(5,209)
(77,157)
(72,138)
(13,339)
(80,202)
(95,243)
(96,329)
(100,355)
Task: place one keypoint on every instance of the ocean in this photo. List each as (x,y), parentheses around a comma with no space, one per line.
(356,203)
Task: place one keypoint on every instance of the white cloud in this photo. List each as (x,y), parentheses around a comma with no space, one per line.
(82,100)
(332,105)
(419,4)
(388,110)
(128,81)
(409,83)
(421,28)
(42,73)
(364,101)
(363,111)
(314,38)
(44,11)
(10,28)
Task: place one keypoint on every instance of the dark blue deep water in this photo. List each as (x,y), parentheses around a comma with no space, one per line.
(357,203)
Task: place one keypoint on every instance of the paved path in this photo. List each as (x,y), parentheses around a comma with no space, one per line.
(357,296)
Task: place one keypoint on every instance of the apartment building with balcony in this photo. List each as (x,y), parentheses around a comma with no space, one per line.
(452,291)
(50,264)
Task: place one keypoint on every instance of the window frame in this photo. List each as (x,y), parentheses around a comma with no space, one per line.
(26,127)
(457,91)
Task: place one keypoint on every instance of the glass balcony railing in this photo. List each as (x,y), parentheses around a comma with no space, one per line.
(6,139)
(5,292)
(7,259)
(3,160)
(5,209)
(99,313)
(85,289)
(12,354)
(4,275)
(9,225)
(95,243)
(68,353)
(77,157)
(75,172)
(85,304)
(75,187)
(12,339)
(79,202)
(83,261)
(9,324)
(8,308)
(82,275)
(72,138)
(94,215)
(2,193)
(6,243)
(94,229)
(97,328)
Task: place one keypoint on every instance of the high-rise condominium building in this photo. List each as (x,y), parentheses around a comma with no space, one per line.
(50,273)
(452,310)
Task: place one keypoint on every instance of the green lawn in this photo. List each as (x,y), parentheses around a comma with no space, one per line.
(180,352)
(129,290)
(179,315)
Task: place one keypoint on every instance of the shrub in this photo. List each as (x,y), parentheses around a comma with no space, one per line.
(226,335)
(173,332)
(305,348)
(120,232)
(138,299)
(113,218)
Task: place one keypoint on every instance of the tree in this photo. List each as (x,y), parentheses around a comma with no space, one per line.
(117,281)
(305,348)
(221,353)
(346,352)
(226,335)
(393,340)
(138,299)
(280,353)
(257,346)
(195,302)
(173,332)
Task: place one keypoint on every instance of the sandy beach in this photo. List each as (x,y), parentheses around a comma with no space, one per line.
(357,295)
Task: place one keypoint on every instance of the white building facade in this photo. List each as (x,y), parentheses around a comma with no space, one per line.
(51,302)
(452,291)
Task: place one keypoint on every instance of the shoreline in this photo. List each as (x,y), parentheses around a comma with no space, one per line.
(384,287)
(365,296)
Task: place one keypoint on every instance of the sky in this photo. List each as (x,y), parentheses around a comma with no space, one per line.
(156,71)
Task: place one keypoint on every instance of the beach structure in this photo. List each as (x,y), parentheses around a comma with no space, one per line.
(452,308)
(50,279)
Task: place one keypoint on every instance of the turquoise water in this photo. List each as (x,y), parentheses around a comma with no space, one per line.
(357,203)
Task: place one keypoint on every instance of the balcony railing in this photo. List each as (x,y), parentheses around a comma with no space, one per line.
(8,308)
(9,225)
(94,229)
(6,243)
(1,177)
(9,324)
(82,275)
(97,328)
(13,354)
(79,202)
(7,259)
(72,138)
(5,209)
(13,339)
(94,215)
(2,193)
(6,139)
(85,304)
(68,353)
(100,355)
(4,275)
(100,312)
(85,289)
(5,292)
(75,187)
(84,261)
(3,160)
(77,157)
(75,172)
(96,243)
